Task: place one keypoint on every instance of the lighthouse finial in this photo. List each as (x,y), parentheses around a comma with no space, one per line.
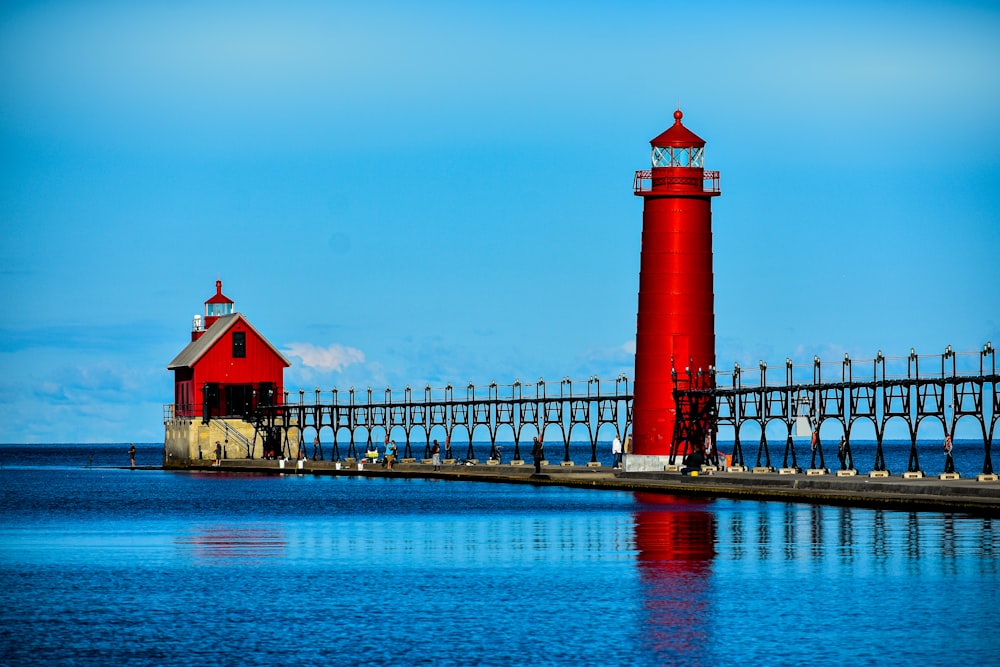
(677,116)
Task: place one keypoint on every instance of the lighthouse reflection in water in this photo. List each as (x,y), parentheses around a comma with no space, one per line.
(103,566)
(675,544)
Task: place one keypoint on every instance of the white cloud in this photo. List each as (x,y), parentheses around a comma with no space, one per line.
(334,357)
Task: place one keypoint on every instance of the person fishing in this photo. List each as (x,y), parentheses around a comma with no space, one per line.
(538,453)
(949,462)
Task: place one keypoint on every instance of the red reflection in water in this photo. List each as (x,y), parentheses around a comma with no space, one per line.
(675,539)
(242,543)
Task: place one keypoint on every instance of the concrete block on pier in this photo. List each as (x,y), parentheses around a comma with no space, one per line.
(428,461)
(566,464)
(710,469)
(817,471)
(648,463)
(517,462)
(785,471)
(448,462)
(847,473)
(879,473)
(758,470)
(949,475)
(987,478)
(737,469)
(671,467)
(492,462)
(407,460)
(593,464)
(913,474)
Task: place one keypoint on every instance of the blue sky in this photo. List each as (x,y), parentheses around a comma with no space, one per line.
(401,193)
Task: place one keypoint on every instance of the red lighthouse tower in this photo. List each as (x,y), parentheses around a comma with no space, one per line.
(676,320)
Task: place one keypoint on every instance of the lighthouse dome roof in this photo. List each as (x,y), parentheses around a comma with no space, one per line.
(677,135)
(219,297)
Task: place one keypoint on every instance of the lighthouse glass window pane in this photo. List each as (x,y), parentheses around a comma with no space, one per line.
(239,344)
(219,309)
(664,156)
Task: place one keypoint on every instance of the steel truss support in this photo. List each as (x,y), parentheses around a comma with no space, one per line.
(911,389)
(526,409)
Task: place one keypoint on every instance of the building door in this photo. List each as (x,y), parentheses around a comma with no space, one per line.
(211,398)
(267,393)
(239,398)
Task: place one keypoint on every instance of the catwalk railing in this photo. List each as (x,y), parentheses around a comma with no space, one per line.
(540,408)
(947,389)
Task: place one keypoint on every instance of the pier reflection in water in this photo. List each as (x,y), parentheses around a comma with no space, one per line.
(865,582)
(731,581)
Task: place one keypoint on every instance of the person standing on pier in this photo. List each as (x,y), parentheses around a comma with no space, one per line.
(693,461)
(391,452)
(842,452)
(616,451)
(538,454)
(949,462)
(131,453)
(218,453)
(436,456)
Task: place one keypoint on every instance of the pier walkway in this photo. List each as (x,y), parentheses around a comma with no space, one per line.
(893,492)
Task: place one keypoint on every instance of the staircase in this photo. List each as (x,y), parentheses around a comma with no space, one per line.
(232,435)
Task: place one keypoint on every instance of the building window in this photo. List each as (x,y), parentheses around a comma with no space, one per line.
(239,344)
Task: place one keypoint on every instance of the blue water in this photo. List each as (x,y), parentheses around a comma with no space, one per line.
(104,566)
(968,454)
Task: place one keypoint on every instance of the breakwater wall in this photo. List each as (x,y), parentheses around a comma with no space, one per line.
(892,492)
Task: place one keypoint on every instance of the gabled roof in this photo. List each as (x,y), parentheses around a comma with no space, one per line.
(196,349)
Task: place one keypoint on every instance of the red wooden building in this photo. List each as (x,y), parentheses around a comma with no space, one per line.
(228,368)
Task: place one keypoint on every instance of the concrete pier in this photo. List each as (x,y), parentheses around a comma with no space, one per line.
(893,492)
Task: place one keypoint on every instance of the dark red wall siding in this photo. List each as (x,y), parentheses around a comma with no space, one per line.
(231,378)
(261,364)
